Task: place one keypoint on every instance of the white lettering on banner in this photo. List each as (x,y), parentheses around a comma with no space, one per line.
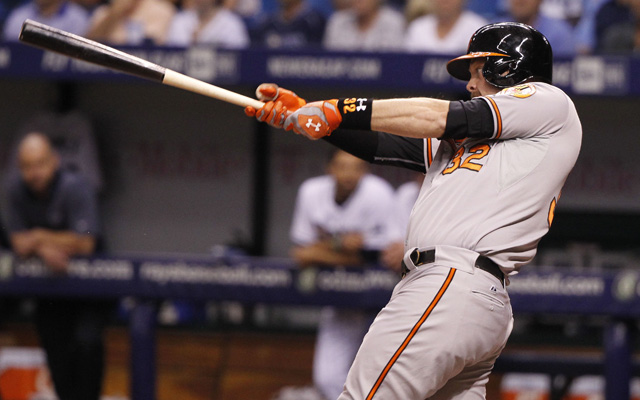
(242,274)
(54,62)
(5,57)
(324,67)
(595,75)
(557,284)
(562,73)
(32,268)
(102,269)
(201,63)
(435,70)
(345,281)
(120,270)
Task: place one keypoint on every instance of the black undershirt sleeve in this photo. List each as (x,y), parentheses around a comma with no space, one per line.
(381,148)
(469,119)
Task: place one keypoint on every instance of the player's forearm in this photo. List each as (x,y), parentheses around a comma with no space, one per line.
(70,242)
(323,254)
(414,117)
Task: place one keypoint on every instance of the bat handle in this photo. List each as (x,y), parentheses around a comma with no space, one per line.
(176,79)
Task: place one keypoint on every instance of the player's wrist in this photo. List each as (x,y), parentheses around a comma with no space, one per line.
(356,113)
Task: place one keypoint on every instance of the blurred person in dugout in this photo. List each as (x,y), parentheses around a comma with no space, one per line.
(366,25)
(53,215)
(405,197)
(61,14)
(207,22)
(558,31)
(341,219)
(446,29)
(618,27)
(294,25)
(132,22)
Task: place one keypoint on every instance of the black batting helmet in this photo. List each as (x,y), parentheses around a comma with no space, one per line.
(515,53)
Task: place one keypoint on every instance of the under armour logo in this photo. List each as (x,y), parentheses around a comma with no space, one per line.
(310,124)
(361,106)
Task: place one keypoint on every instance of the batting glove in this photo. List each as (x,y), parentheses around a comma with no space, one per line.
(315,120)
(279,104)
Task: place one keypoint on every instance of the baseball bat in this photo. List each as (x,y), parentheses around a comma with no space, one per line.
(59,41)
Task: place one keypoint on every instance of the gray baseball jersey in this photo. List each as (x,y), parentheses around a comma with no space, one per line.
(497,196)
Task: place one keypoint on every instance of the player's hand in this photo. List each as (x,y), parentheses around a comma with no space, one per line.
(315,120)
(391,256)
(280,103)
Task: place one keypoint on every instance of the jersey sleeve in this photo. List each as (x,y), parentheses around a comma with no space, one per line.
(522,111)
(382,148)
(527,111)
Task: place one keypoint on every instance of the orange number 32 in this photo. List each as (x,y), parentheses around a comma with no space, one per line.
(477,152)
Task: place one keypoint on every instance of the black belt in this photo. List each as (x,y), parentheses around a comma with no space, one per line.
(428,256)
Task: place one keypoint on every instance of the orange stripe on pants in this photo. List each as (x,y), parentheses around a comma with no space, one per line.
(413,332)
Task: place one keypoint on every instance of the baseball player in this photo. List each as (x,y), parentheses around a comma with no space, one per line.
(341,218)
(488,197)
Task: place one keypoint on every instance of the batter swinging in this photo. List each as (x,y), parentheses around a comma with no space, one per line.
(488,197)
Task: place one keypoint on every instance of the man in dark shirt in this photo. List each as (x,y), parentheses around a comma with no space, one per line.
(53,215)
(295,25)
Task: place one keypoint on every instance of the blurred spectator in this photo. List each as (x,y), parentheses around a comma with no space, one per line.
(404,199)
(61,14)
(585,29)
(246,9)
(340,219)
(567,10)
(53,215)
(295,25)
(416,8)
(368,25)
(73,137)
(206,22)
(486,8)
(616,26)
(132,22)
(445,31)
(558,32)
(90,5)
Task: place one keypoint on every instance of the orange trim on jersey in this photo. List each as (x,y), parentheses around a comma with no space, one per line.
(429,153)
(498,116)
(412,334)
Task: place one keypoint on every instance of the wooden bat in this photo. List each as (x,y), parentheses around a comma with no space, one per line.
(59,41)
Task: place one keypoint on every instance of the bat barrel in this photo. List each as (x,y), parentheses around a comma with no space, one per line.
(49,38)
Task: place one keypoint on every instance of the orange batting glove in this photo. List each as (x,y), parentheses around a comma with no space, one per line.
(315,120)
(279,103)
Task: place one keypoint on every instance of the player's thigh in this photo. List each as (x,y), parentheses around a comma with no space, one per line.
(426,335)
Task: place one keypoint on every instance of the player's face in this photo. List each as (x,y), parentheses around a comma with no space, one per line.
(477,85)
(347,171)
(38,165)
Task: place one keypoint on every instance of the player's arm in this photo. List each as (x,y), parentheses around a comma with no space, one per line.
(414,117)
(345,249)
(69,242)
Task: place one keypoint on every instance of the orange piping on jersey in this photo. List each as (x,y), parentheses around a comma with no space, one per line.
(411,335)
(429,153)
(498,116)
